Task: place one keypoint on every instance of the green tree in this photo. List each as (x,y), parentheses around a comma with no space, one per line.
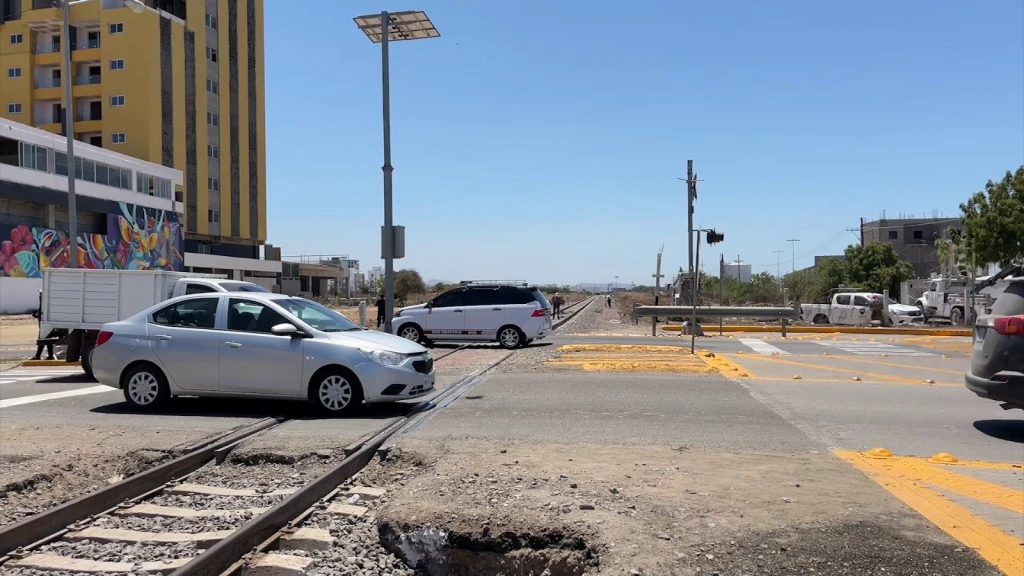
(407,283)
(877,267)
(763,288)
(994,221)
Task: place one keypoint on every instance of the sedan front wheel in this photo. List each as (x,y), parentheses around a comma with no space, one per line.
(336,392)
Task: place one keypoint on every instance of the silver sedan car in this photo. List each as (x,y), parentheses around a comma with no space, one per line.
(257,345)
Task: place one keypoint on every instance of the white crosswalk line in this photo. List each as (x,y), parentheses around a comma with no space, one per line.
(875,349)
(55,395)
(762,347)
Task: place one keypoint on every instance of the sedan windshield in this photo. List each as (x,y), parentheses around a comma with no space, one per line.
(320,318)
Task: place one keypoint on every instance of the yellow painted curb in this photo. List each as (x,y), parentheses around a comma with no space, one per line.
(40,363)
(837,330)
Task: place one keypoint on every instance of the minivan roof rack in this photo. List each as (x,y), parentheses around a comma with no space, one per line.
(493,283)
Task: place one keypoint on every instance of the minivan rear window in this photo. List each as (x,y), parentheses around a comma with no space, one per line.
(1011,301)
(539,297)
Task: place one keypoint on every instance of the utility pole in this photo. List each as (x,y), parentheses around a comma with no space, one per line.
(778,264)
(657,290)
(690,195)
(721,287)
(794,241)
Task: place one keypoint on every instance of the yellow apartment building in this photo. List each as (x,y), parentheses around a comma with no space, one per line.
(179,84)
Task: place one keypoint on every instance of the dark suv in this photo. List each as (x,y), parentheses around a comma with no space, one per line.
(511,314)
(997,358)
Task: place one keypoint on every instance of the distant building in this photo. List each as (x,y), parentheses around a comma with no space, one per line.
(738,270)
(374,276)
(913,238)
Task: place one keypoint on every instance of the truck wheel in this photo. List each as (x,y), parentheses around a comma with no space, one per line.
(956,317)
(923,315)
(87,361)
(820,319)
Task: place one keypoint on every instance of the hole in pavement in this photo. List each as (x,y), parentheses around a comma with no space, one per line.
(435,551)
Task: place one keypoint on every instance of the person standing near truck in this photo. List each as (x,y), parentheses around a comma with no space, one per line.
(556,304)
(38,315)
(380,311)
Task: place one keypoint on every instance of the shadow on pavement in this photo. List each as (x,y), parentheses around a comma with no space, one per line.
(1012,430)
(255,408)
(73,379)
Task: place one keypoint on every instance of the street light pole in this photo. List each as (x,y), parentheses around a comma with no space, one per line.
(69,134)
(794,241)
(411,25)
(69,121)
(389,230)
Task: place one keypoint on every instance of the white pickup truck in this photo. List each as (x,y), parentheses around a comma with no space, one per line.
(855,309)
(76,303)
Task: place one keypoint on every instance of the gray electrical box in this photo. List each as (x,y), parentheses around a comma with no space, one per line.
(397,240)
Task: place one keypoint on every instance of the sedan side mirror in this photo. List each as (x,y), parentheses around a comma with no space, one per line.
(285,329)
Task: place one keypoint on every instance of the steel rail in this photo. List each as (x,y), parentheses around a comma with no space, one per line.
(44,524)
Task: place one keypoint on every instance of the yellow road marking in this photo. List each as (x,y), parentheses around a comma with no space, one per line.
(839,381)
(922,471)
(726,366)
(629,358)
(879,376)
(1002,550)
(895,364)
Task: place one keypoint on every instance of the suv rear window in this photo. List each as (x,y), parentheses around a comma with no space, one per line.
(539,297)
(1011,301)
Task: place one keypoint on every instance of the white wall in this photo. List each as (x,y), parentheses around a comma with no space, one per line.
(19,295)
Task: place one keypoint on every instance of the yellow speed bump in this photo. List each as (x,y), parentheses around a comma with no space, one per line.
(944,458)
(879,452)
(628,358)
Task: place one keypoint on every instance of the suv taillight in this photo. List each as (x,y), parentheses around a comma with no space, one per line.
(539,313)
(1009,325)
(102,338)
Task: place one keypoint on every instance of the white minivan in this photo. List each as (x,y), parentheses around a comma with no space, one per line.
(511,314)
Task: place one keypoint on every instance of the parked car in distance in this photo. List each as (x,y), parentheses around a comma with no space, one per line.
(997,356)
(513,314)
(261,345)
(855,309)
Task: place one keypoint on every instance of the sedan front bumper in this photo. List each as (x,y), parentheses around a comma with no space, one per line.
(393,383)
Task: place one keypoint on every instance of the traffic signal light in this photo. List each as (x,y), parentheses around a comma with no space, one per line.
(714,237)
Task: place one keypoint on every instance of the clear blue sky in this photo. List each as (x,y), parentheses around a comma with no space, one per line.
(542,140)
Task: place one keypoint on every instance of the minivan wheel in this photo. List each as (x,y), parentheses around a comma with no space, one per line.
(411,332)
(145,388)
(336,392)
(511,337)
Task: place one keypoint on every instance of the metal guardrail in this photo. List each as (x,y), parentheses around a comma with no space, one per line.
(716,311)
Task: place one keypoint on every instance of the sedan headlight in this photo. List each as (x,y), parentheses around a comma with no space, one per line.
(384,358)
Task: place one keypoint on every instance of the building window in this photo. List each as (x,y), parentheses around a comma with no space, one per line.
(211,86)
(33,157)
(893,235)
(212,152)
(17,38)
(214,216)
(212,119)
(211,54)
(14,72)
(213,184)
(14,108)
(117,64)
(116,28)
(117,138)
(211,21)
(117,100)
(918,234)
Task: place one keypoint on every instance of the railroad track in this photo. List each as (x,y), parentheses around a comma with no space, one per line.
(187,518)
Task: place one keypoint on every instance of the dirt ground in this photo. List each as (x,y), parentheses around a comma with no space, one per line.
(570,509)
(18,331)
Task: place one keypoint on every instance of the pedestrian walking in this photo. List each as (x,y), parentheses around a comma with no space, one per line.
(38,315)
(608,300)
(380,311)
(556,303)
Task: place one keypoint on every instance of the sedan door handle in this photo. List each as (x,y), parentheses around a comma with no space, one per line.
(496,309)
(163,337)
(233,344)
(457,311)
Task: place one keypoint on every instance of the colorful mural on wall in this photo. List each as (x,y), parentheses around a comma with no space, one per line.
(137,238)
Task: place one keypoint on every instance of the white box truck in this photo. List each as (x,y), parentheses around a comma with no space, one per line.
(76,303)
